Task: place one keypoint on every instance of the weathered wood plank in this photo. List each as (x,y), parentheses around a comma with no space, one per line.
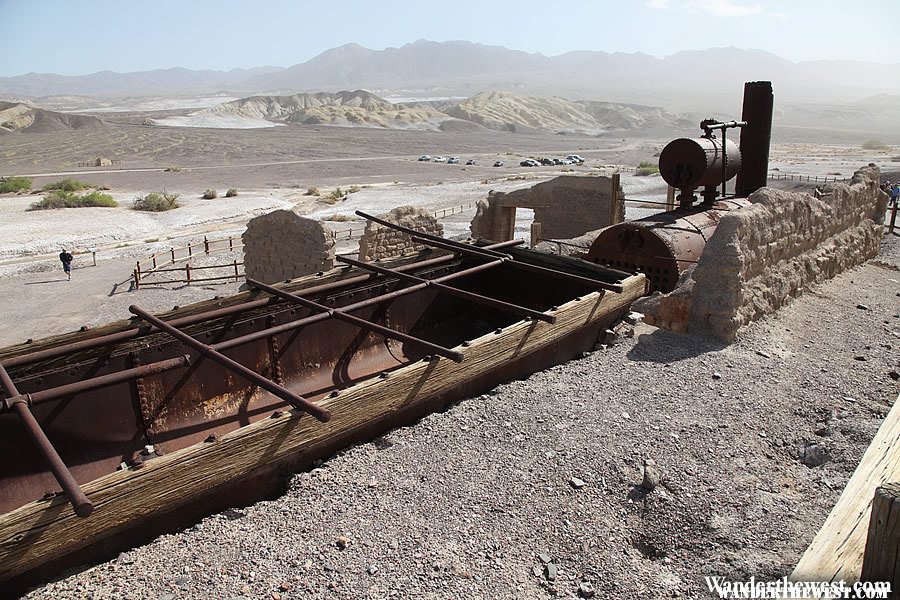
(836,551)
(40,532)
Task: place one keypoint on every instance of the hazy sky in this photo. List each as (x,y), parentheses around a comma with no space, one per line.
(74,37)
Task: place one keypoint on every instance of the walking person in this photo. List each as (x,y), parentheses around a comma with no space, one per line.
(66,260)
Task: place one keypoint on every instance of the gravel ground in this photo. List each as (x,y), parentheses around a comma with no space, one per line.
(532,490)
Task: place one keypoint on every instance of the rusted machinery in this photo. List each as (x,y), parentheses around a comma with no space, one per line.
(663,245)
(137,422)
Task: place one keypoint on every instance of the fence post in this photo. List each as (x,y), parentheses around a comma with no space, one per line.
(154,261)
(230,243)
(670,198)
(205,245)
(137,280)
(190,251)
(173,256)
(138,267)
(236,278)
(614,200)
(535,233)
(187,272)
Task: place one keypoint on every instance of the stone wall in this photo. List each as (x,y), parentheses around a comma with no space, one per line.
(566,207)
(763,255)
(282,245)
(380,242)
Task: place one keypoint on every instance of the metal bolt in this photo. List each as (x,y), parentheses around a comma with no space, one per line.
(383,375)
(277,414)
(498,331)
(333,394)
(211,438)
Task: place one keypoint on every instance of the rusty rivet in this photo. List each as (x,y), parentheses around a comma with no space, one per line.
(211,438)
(277,414)
(334,394)
(383,375)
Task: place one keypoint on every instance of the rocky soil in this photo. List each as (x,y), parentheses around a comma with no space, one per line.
(534,490)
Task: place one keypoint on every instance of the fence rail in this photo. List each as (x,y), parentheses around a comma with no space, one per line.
(355,232)
(157,262)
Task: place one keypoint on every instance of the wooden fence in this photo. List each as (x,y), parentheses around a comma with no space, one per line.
(157,263)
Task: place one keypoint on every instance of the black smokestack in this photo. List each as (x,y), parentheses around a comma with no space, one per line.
(755,137)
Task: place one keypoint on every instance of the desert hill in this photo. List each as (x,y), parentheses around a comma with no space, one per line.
(502,111)
(357,108)
(18,116)
(508,112)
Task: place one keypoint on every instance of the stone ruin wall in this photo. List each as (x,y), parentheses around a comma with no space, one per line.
(762,256)
(566,207)
(282,245)
(380,242)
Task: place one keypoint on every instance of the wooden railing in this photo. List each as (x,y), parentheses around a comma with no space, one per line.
(156,263)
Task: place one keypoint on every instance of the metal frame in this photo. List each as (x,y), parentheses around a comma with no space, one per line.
(487,252)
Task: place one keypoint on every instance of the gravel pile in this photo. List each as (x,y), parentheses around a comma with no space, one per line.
(632,472)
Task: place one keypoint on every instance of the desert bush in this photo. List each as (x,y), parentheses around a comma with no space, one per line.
(875,145)
(63,199)
(14,184)
(231,193)
(172,169)
(67,185)
(646,168)
(156,202)
(151,240)
(352,190)
(210,194)
(313,191)
(339,218)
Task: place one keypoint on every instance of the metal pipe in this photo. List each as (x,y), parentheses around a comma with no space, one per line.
(361,323)
(121,336)
(613,287)
(80,503)
(266,384)
(107,380)
(465,294)
(755,137)
(291,325)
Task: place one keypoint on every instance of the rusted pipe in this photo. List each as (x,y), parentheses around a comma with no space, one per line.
(266,384)
(465,294)
(218,313)
(359,322)
(80,503)
(107,380)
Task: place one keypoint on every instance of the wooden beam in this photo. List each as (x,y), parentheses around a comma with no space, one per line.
(39,532)
(883,541)
(836,551)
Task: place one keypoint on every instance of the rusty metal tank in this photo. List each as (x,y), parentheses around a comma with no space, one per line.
(661,246)
(695,162)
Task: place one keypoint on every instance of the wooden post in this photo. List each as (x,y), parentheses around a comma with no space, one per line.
(670,198)
(230,243)
(154,261)
(94,256)
(190,251)
(205,245)
(614,201)
(883,542)
(535,233)
(173,256)
(137,280)
(138,267)
(187,273)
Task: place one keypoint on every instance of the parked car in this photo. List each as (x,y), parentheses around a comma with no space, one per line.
(498,163)
(471,161)
(528,162)
(453,160)
(547,161)
(558,161)
(575,158)
(425,158)
(439,159)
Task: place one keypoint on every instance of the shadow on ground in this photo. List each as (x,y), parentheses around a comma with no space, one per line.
(664,346)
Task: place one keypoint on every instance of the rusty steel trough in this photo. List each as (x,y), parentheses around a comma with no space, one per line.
(118,405)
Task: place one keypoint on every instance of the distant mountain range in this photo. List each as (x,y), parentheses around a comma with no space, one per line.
(697,80)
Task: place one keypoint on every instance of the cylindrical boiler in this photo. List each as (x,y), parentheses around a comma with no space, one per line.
(661,246)
(689,163)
